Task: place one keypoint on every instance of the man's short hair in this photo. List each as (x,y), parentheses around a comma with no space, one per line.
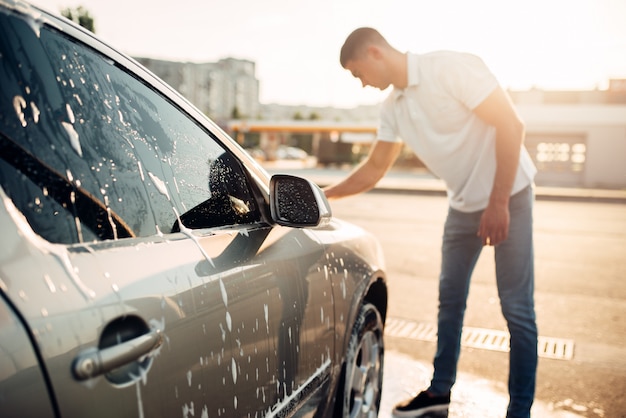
(357,42)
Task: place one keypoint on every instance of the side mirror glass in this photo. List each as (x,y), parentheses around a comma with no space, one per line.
(297,202)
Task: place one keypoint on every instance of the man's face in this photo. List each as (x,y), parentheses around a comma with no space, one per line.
(370,69)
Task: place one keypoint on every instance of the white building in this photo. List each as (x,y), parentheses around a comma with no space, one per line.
(220,90)
(577,138)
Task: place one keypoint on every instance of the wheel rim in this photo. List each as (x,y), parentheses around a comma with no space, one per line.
(365,382)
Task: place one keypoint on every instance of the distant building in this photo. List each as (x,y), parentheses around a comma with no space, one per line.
(615,94)
(221,90)
(576,138)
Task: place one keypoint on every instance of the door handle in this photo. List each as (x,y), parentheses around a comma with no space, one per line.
(95,362)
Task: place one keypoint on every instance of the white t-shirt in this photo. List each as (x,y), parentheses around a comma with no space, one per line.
(434,116)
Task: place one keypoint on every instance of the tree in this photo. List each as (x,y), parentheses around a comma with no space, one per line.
(81,16)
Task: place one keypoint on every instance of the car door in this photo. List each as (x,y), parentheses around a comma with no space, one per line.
(136,250)
(22,383)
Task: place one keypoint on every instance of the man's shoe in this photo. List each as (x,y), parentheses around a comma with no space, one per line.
(421,404)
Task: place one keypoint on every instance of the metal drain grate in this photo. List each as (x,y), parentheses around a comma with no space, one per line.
(556,348)
(486,339)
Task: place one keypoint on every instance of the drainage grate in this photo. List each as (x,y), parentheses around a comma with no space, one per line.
(556,348)
(486,339)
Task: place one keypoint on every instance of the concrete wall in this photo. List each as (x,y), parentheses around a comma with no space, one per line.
(601,127)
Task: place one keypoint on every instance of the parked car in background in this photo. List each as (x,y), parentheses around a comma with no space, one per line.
(150,267)
(291,153)
(282,152)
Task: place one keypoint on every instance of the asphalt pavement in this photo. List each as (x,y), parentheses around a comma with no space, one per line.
(472,396)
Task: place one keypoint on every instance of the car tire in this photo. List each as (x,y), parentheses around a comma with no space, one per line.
(362,381)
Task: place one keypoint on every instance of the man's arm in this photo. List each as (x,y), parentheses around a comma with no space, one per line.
(365,176)
(497,110)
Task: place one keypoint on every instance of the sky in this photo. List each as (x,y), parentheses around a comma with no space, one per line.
(548,44)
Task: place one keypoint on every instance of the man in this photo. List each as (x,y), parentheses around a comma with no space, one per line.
(451,111)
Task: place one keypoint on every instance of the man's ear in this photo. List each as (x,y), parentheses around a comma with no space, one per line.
(374,51)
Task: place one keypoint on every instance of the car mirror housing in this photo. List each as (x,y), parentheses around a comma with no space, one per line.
(297,202)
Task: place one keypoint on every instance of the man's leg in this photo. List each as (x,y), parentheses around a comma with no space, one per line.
(515,279)
(460,250)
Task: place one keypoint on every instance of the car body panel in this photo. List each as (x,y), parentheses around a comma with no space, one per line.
(242,319)
(20,374)
(256,313)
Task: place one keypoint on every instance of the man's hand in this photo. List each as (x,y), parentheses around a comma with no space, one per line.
(365,176)
(494,223)
(497,110)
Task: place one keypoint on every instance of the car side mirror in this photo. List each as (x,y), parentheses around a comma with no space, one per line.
(297,202)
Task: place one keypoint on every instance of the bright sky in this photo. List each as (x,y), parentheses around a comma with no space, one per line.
(551,44)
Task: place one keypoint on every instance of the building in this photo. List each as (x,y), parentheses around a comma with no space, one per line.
(576,138)
(222,90)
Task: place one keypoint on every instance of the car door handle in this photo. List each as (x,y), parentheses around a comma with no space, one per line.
(95,362)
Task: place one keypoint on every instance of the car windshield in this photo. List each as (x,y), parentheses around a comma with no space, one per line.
(84,143)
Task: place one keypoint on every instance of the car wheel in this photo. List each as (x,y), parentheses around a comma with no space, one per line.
(363,379)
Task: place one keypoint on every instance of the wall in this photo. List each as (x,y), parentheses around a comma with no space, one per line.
(602,129)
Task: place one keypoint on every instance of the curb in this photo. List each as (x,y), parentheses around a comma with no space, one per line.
(426,185)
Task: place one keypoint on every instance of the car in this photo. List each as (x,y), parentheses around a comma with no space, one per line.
(150,267)
(291,153)
(282,152)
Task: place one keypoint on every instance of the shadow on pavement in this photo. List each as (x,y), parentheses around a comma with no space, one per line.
(472,397)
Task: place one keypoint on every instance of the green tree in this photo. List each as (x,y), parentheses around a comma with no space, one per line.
(81,16)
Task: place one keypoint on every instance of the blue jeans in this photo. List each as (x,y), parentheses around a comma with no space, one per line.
(515,281)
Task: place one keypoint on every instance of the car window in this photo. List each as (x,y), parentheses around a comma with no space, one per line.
(86,145)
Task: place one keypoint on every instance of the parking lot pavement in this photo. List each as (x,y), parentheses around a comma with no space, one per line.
(472,397)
